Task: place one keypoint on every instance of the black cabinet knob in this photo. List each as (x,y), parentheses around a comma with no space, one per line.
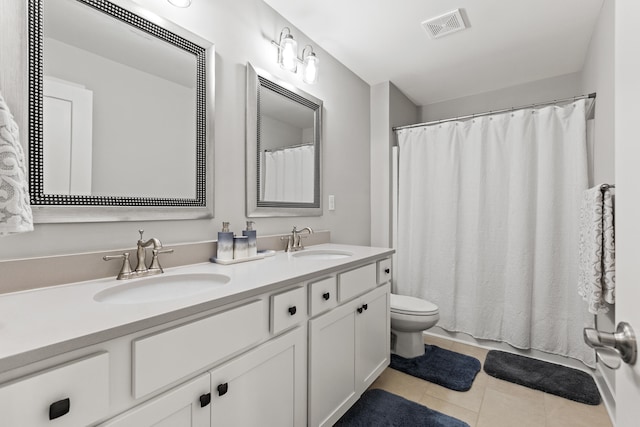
(326,296)
(292,310)
(365,306)
(205,399)
(222,389)
(59,408)
(387,270)
(359,310)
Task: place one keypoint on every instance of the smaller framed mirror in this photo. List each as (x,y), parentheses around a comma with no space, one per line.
(284,133)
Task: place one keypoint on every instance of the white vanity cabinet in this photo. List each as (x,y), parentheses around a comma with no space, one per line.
(348,347)
(187,405)
(169,355)
(372,337)
(292,354)
(264,387)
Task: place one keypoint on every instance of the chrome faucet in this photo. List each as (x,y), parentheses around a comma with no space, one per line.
(142,252)
(141,269)
(294,240)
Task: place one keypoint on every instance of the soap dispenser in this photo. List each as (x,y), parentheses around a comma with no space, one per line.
(225,243)
(251,238)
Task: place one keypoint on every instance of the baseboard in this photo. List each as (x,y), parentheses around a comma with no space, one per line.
(608,397)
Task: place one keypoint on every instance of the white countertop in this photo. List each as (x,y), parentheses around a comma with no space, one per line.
(42,323)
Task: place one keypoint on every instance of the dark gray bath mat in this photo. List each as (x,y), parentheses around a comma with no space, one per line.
(449,369)
(379,408)
(544,376)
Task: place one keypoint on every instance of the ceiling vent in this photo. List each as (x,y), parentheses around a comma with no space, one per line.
(442,25)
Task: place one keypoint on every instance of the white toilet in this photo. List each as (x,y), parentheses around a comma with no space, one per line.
(409,317)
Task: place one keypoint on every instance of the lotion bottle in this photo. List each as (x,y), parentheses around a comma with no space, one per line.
(251,239)
(225,243)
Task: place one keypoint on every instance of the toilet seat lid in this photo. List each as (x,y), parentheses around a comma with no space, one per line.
(404,304)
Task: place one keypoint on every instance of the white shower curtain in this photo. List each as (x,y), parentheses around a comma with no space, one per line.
(289,174)
(488,215)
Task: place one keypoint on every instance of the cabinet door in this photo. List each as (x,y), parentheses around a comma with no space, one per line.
(372,337)
(72,394)
(184,406)
(331,364)
(264,387)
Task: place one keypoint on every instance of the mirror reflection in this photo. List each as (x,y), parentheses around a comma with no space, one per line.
(283,148)
(115,98)
(287,149)
(117,107)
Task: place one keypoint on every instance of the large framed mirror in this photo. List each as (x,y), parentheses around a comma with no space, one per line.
(283,146)
(120,114)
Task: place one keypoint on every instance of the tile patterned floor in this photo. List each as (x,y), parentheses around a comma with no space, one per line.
(492,402)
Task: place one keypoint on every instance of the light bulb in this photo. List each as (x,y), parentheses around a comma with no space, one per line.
(289,53)
(310,68)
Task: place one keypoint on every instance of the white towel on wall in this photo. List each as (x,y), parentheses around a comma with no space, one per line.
(596,275)
(15,211)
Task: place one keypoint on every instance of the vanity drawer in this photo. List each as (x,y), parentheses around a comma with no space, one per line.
(73,394)
(384,271)
(288,309)
(356,282)
(322,295)
(167,356)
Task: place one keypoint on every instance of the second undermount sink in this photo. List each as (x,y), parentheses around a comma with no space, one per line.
(322,254)
(161,288)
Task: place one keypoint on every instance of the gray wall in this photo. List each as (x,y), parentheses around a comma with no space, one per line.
(598,76)
(529,93)
(380,147)
(389,108)
(241,31)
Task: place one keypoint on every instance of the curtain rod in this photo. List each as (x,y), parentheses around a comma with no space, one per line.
(304,144)
(505,110)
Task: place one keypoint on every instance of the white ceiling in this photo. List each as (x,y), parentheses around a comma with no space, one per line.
(508,42)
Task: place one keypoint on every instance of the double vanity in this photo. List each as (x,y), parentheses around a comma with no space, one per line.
(290,340)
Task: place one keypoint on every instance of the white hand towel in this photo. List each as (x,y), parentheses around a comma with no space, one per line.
(15,211)
(596,274)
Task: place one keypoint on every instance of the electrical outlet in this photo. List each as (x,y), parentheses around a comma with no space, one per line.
(332,202)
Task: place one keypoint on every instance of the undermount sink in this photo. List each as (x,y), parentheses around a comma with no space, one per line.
(322,254)
(161,288)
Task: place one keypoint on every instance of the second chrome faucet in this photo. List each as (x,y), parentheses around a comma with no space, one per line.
(141,269)
(294,240)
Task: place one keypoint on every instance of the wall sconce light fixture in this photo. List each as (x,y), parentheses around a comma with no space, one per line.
(309,65)
(288,57)
(180,3)
(287,51)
